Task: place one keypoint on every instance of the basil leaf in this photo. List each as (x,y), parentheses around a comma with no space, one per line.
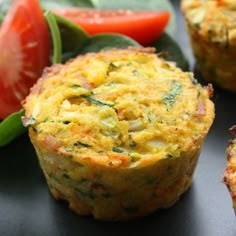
(1,18)
(11,127)
(73,38)
(167,44)
(4,6)
(107,41)
(56,39)
(75,41)
(49,4)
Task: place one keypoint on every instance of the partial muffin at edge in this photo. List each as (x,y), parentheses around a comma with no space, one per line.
(211,27)
(229,177)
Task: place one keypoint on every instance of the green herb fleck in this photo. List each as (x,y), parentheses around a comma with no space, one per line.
(66,122)
(85,193)
(95,101)
(118,150)
(149,117)
(66,176)
(133,144)
(53,177)
(112,67)
(129,64)
(198,93)
(134,157)
(169,155)
(75,86)
(82,144)
(135,72)
(169,98)
(192,79)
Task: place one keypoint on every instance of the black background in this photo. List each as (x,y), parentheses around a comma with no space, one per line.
(27,208)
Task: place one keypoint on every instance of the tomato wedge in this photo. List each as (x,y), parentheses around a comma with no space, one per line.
(142,26)
(24,52)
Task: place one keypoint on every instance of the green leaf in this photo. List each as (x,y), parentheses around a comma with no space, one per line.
(1,18)
(172,50)
(56,39)
(4,6)
(73,38)
(75,41)
(107,41)
(49,4)
(11,128)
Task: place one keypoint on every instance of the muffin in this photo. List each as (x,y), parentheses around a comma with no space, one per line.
(118,133)
(229,178)
(211,26)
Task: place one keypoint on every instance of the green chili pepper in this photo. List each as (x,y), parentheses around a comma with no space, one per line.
(11,128)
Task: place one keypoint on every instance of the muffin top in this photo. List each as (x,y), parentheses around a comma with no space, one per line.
(214,19)
(119,108)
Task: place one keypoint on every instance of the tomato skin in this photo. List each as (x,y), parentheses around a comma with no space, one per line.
(25,51)
(142,26)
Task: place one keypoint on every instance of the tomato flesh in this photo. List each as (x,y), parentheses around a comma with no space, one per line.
(142,26)
(25,51)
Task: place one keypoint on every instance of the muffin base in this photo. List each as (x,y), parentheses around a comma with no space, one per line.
(114,193)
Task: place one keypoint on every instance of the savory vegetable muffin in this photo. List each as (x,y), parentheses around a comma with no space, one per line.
(229,177)
(212,30)
(118,133)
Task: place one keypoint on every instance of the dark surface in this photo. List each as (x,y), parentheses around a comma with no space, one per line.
(27,208)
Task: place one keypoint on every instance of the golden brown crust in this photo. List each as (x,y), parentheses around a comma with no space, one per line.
(229,177)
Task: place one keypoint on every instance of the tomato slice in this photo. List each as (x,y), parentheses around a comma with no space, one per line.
(142,26)
(25,51)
